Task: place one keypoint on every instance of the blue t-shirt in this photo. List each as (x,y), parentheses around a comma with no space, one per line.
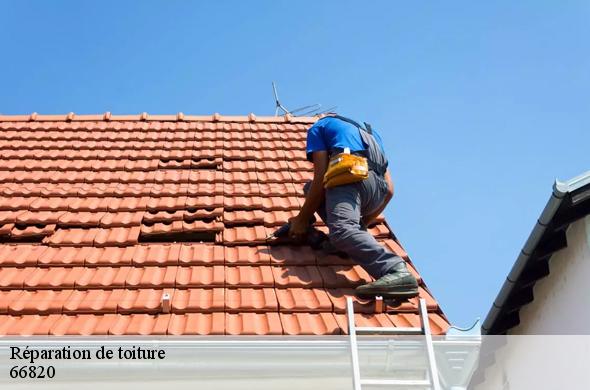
(329,133)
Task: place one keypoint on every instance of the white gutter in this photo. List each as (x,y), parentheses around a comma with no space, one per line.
(260,362)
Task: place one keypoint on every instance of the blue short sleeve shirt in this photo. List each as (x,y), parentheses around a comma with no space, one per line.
(329,133)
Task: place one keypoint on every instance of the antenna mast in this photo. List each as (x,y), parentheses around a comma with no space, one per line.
(309,110)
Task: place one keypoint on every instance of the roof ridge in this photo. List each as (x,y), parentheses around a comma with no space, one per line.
(179,117)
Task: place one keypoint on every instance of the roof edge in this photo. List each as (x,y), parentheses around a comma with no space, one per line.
(145,117)
(560,190)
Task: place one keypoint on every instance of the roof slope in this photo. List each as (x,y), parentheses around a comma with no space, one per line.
(153,225)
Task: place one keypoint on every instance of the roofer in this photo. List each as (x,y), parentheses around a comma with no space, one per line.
(350,188)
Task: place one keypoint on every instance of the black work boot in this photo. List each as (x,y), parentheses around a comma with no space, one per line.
(399,283)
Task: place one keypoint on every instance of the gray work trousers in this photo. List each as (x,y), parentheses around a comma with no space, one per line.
(342,211)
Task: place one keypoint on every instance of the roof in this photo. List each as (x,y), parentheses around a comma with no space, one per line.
(569,202)
(157,224)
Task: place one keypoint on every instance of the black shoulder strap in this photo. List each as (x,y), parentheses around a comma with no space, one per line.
(355,123)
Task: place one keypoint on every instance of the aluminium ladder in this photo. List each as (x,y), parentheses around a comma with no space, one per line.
(431,383)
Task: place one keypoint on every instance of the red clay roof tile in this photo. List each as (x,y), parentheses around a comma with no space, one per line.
(201,254)
(306,300)
(247,255)
(88,185)
(253,324)
(198,299)
(250,299)
(310,324)
(248,276)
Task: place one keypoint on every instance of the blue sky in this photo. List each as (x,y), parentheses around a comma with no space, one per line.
(481,104)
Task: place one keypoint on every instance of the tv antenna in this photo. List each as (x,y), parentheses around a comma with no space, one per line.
(309,110)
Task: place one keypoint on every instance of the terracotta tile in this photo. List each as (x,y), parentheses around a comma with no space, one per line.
(236,189)
(280,203)
(140,324)
(380,231)
(64,256)
(193,214)
(205,176)
(324,259)
(301,176)
(81,219)
(110,220)
(82,325)
(162,228)
(20,232)
(253,324)
(242,202)
(197,324)
(249,276)
(267,165)
(244,216)
(16,203)
(240,177)
(265,177)
(92,301)
(280,189)
(297,276)
(100,277)
(141,301)
(309,324)
(9,216)
(72,237)
(20,255)
(159,255)
(394,247)
(245,235)
(239,166)
(204,254)
(152,277)
(200,226)
(39,302)
(200,276)
(168,189)
(206,202)
(341,276)
(14,278)
(155,216)
(195,189)
(166,203)
(278,218)
(303,300)
(7,297)
(110,256)
(28,325)
(247,255)
(369,320)
(198,300)
(42,217)
(54,277)
(6,228)
(251,299)
(292,255)
(117,236)
(437,324)
(338,298)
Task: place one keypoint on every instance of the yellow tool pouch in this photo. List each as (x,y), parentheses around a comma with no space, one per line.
(346,168)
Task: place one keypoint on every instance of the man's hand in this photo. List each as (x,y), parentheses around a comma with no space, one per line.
(298,228)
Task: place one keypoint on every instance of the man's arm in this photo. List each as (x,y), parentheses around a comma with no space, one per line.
(368,219)
(314,197)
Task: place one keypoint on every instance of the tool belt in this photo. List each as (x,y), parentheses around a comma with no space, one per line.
(346,168)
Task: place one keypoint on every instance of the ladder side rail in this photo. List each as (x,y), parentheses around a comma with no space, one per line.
(356,374)
(432,366)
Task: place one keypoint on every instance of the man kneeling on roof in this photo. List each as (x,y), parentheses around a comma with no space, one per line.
(350,188)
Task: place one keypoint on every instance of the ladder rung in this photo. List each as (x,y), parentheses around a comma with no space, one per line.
(379,330)
(396,382)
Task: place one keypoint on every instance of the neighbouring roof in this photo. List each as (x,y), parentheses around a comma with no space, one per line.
(569,202)
(156,224)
